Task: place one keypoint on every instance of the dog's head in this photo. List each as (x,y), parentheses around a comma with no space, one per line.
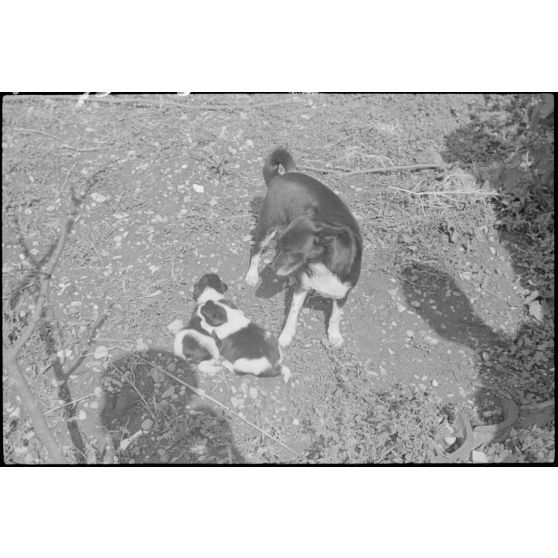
(207,282)
(214,314)
(305,241)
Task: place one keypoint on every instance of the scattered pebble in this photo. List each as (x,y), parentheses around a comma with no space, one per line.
(435,383)
(479,457)
(198,188)
(147,424)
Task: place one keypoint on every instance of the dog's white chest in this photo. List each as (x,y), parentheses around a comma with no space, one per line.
(324,282)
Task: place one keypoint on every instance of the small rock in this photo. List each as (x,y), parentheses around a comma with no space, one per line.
(147,424)
(296,422)
(253,392)
(198,188)
(449,440)
(479,457)
(435,383)
(82,415)
(410,333)
(415,303)
(99,198)
(536,310)
(100,352)
(401,307)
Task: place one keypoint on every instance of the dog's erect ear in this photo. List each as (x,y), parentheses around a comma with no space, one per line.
(213,314)
(200,286)
(311,209)
(327,232)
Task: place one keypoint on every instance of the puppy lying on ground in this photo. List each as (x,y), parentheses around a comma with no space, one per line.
(221,333)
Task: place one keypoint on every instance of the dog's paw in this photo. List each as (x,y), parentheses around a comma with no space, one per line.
(336,339)
(228,365)
(252,277)
(285,339)
(285,373)
(208,367)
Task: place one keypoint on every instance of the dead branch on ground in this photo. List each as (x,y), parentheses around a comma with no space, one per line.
(12,350)
(151,102)
(378,170)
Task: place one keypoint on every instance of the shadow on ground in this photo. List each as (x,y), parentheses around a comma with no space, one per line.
(151,418)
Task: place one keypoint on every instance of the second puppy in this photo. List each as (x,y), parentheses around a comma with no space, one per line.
(194,343)
(246,347)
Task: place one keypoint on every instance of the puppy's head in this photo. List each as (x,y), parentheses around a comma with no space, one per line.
(210,281)
(304,241)
(213,314)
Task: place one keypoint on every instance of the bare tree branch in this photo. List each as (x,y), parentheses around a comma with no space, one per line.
(11,352)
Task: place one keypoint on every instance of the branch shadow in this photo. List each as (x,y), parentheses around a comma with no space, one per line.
(150,418)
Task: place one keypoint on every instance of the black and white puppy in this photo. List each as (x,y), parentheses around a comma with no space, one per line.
(195,342)
(321,243)
(246,347)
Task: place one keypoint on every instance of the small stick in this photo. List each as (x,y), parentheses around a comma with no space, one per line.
(379,170)
(476,192)
(135,100)
(204,395)
(73,402)
(142,398)
(33,131)
(82,149)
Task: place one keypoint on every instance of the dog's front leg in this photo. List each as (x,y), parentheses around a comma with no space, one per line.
(333,333)
(252,276)
(290,325)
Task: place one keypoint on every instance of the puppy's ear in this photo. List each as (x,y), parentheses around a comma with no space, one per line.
(213,314)
(223,287)
(200,286)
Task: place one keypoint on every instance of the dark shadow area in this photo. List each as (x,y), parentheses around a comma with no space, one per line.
(151,418)
(509,142)
(498,358)
(451,315)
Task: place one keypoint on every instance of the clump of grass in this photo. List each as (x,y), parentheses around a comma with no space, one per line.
(355,424)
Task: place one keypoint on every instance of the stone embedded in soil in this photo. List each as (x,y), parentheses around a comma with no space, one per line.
(147,424)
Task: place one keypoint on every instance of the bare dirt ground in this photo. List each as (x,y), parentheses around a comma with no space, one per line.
(443,323)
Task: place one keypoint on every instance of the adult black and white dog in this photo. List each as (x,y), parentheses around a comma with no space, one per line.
(320,241)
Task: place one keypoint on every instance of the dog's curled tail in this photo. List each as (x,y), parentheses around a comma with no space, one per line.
(279,156)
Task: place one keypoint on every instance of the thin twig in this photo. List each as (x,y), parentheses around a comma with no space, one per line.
(82,149)
(379,170)
(204,395)
(471,193)
(33,131)
(65,146)
(139,101)
(141,396)
(73,402)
